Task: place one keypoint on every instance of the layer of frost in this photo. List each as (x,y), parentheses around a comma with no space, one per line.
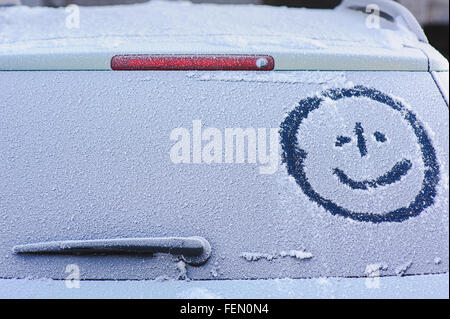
(336,78)
(198,27)
(298,254)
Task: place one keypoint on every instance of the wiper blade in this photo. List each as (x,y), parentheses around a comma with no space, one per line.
(194,250)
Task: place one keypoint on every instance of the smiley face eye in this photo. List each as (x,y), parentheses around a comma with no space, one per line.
(341,140)
(380,137)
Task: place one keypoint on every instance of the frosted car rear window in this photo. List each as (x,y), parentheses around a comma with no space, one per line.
(347,174)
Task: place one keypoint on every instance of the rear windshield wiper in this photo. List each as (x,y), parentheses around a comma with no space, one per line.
(194,250)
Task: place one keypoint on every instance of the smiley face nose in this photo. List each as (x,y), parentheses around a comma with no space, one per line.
(361,140)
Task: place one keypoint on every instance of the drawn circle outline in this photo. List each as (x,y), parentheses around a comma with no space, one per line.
(293,156)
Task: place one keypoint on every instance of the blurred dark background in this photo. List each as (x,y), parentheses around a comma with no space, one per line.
(433,15)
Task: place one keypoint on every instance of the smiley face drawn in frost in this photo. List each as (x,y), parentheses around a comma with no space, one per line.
(360,154)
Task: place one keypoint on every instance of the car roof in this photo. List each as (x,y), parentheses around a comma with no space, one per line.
(297,38)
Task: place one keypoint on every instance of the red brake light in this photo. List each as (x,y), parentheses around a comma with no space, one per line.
(192,62)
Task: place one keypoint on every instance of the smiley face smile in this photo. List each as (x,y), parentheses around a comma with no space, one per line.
(393,175)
